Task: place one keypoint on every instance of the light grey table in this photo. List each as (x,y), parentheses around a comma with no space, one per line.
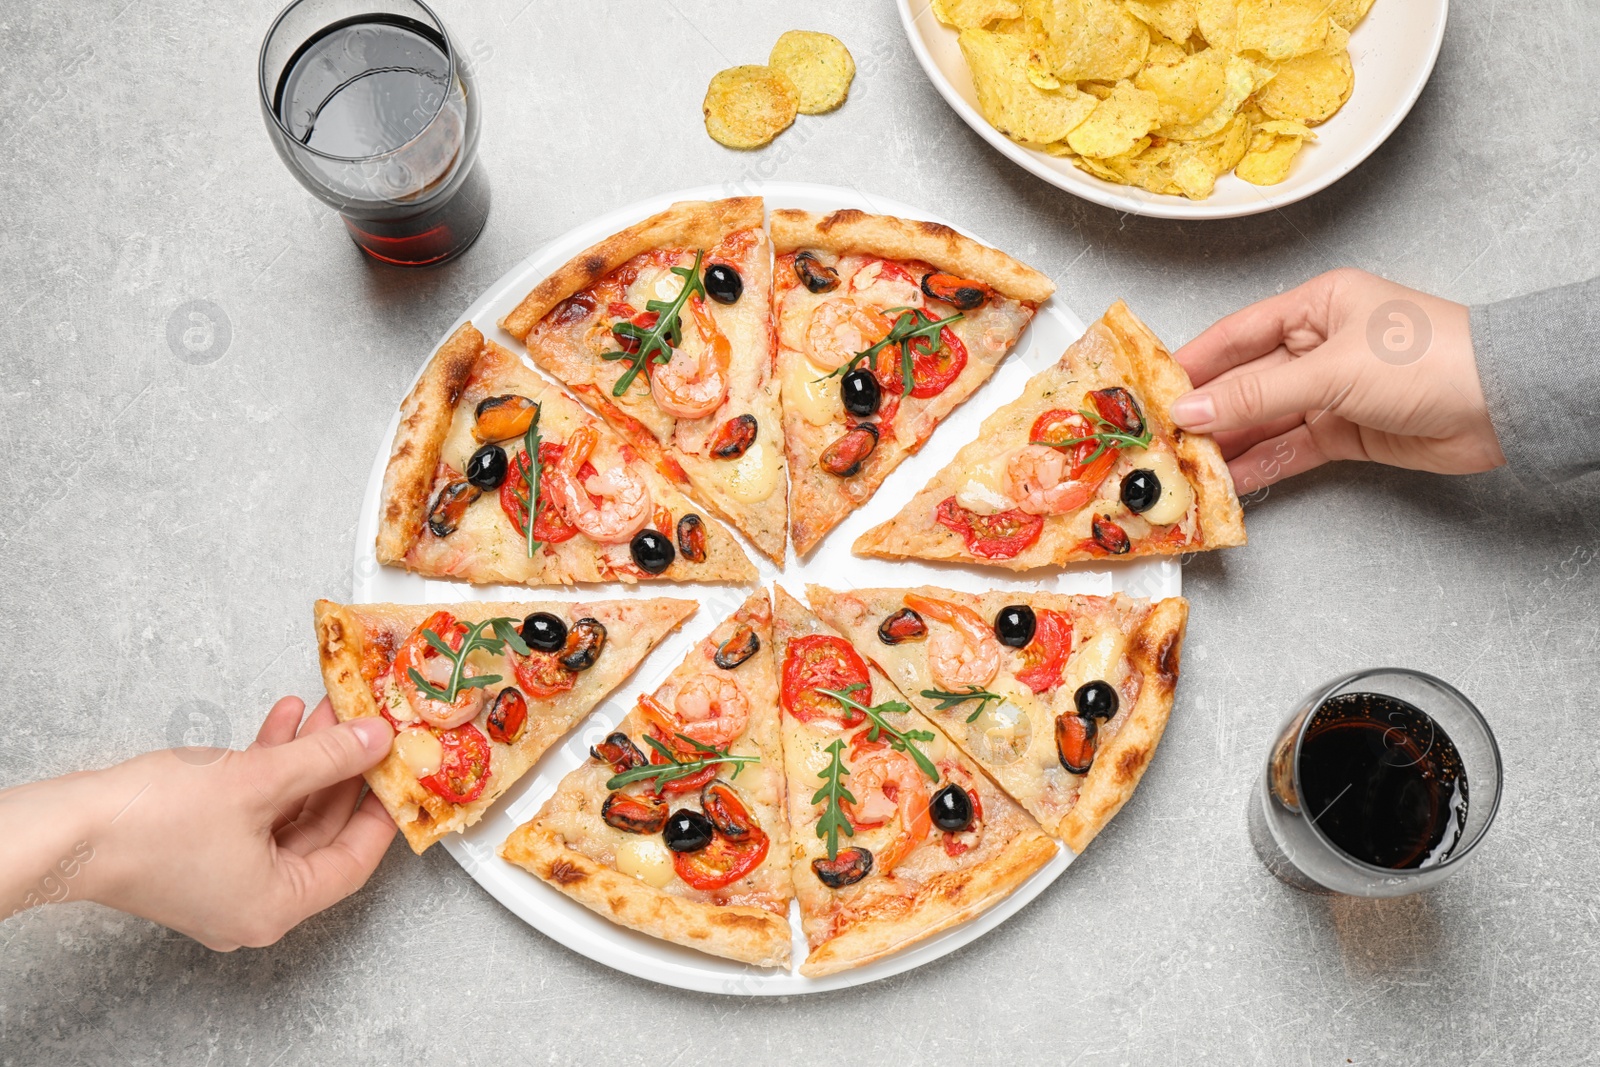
(177,519)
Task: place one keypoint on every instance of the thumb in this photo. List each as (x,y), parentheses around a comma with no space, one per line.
(1250,398)
(327,757)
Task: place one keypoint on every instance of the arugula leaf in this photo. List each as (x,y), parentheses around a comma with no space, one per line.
(833,794)
(530,449)
(953,700)
(657,342)
(900,741)
(915,331)
(674,768)
(1107,435)
(473,640)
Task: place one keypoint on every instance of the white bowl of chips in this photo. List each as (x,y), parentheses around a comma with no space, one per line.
(1100,102)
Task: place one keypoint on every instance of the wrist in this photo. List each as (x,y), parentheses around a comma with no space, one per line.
(50,841)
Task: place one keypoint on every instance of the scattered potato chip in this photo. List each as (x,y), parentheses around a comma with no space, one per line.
(1282,29)
(1349,13)
(976,14)
(1218,22)
(746,107)
(818,64)
(1012,103)
(1117,123)
(1309,88)
(1173,19)
(1090,40)
(1272,152)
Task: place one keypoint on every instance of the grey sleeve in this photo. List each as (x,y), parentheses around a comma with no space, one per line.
(1539,360)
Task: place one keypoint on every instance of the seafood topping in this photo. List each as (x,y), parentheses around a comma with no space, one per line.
(960,293)
(500,418)
(734,437)
(903,625)
(849,867)
(740,646)
(645,813)
(451,503)
(692,538)
(813,275)
(845,456)
(585,641)
(619,751)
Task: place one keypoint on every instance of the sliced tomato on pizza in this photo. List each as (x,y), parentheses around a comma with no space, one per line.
(1062,699)
(665,329)
(1085,465)
(884,326)
(675,824)
(484,441)
(897,833)
(476,692)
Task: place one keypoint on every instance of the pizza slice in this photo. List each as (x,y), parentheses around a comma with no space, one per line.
(460,482)
(476,692)
(897,834)
(1062,699)
(665,329)
(674,826)
(884,326)
(1085,464)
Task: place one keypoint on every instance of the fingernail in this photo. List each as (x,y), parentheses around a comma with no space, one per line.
(373,733)
(1193,410)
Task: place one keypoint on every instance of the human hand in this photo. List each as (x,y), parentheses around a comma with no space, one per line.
(1347,366)
(239,849)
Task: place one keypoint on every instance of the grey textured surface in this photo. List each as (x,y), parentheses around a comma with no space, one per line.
(183,516)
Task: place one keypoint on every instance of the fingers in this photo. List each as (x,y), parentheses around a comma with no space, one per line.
(322,758)
(327,875)
(321,718)
(320,819)
(1236,443)
(1255,398)
(279,725)
(1273,460)
(1299,315)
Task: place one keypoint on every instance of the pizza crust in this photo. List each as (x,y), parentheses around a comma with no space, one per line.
(687,224)
(423,816)
(850,230)
(750,935)
(1156,652)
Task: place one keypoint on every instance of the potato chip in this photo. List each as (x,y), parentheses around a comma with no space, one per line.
(1117,123)
(1164,53)
(1090,40)
(818,64)
(1272,151)
(1189,90)
(1349,13)
(746,107)
(1173,19)
(1010,101)
(1281,29)
(1309,88)
(1241,78)
(1218,22)
(975,14)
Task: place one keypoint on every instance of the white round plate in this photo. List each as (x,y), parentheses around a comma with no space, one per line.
(832,564)
(1393,50)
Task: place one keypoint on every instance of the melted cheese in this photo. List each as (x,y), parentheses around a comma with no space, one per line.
(1098,659)
(646,859)
(984,490)
(420,751)
(753,476)
(1176,493)
(818,402)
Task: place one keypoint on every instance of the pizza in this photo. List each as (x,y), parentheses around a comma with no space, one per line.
(675,824)
(897,834)
(484,440)
(476,692)
(1062,699)
(665,329)
(1085,465)
(884,326)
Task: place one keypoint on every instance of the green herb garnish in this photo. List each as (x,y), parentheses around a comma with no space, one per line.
(900,741)
(953,700)
(911,327)
(832,794)
(674,768)
(657,342)
(505,631)
(1108,435)
(530,449)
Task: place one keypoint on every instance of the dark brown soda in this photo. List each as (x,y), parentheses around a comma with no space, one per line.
(1383,781)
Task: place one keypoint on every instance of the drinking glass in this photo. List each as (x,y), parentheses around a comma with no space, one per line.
(371,109)
(1297,850)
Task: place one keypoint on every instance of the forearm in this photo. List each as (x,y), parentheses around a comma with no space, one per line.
(1539,361)
(48,841)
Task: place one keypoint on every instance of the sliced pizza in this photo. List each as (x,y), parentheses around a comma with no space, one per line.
(1062,699)
(665,329)
(1085,465)
(897,834)
(675,824)
(884,326)
(476,692)
(484,442)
